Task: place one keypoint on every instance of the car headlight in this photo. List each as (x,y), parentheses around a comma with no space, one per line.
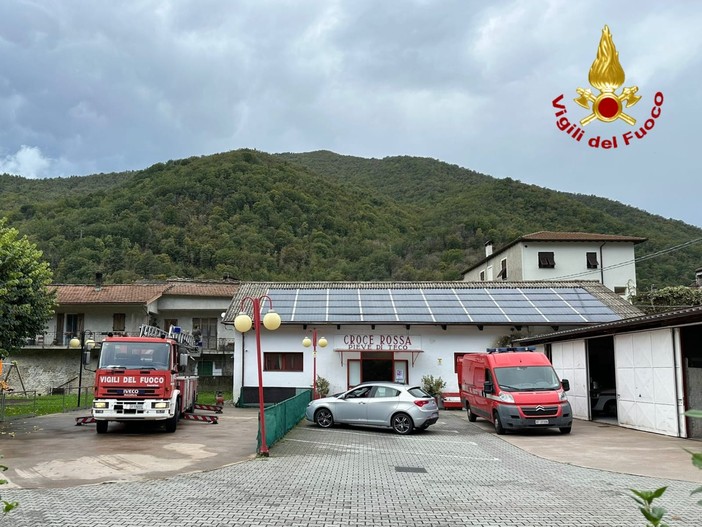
(506,397)
(161,405)
(99,404)
(562,396)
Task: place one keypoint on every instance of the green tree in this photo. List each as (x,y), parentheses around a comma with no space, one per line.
(26,303)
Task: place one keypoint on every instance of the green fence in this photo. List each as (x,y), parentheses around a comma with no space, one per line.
(283,416)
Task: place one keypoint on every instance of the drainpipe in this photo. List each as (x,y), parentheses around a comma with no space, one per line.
(602,264)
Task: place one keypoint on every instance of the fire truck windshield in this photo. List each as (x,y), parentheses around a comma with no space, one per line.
(134,355)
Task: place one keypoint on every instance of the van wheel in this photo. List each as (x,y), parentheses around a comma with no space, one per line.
(471,416)
(565,429)
(499,429)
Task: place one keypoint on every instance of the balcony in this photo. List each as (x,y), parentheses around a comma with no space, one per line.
(53,340)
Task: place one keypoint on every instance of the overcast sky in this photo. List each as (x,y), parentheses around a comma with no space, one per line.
(104,86)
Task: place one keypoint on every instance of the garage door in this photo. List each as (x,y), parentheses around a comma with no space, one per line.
(646,398)
(568,359)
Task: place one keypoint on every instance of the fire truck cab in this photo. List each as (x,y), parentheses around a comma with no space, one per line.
(145,378)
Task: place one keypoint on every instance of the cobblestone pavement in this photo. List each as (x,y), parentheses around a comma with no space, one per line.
(453,474)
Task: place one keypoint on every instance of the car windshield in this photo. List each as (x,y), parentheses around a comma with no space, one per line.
(527,378)
(135,355)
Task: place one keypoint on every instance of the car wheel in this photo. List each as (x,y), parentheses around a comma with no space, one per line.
(471,416)
(101,427)
(498,424)
(402,423)
(565,429)
(610,409)
(324,418)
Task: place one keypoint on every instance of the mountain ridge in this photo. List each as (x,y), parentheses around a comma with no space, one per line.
(318,215)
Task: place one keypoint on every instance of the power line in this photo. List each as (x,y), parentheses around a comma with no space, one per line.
(635,260)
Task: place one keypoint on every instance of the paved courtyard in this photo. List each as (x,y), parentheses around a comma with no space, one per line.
(455,473)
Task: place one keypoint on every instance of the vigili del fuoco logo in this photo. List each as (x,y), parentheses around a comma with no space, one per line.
(609,105)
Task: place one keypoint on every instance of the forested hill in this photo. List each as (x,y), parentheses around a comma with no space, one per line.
(315,216)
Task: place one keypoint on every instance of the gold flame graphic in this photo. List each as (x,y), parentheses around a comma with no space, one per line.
(606,73)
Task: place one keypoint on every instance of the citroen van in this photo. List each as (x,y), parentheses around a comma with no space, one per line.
(514,390)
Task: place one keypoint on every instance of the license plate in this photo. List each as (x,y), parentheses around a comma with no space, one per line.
(541,422)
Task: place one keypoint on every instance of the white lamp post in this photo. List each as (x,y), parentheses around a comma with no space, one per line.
(307,342)
(83,345)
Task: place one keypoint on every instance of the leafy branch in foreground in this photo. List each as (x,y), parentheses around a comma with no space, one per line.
(653,514)
(7,506)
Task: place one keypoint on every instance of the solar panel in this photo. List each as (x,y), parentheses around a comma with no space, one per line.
(441,305)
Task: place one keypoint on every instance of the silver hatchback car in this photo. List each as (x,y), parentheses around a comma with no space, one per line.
(385,404)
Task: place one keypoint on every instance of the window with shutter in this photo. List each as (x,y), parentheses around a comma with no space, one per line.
(546,260)
(591,260)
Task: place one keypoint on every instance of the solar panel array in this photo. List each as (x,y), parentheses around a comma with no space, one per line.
(558,305)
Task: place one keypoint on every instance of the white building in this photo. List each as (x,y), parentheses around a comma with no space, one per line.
(399,331)
(651,364)
(608,259)
(98,309)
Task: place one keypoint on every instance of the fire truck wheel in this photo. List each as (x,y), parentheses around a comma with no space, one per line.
(471,416)
(172,423)
(101,427)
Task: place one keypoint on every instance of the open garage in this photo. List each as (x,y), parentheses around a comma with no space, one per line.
(647,370)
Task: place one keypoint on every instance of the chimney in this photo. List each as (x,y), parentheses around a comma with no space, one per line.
(698,277)
(98,281)
(488,248)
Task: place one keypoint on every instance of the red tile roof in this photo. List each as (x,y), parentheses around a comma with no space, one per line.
(109,294)
(141,293)
(556,236)
(202,289)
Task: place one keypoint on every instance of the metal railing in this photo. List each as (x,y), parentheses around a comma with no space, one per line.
(30,403)
(52,339)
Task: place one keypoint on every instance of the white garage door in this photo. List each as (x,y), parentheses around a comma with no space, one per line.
(646,398)
(568,359)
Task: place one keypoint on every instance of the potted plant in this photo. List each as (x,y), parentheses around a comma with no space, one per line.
(433,386)
(322,387)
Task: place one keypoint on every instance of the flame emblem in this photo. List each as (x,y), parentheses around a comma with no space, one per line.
(607,75)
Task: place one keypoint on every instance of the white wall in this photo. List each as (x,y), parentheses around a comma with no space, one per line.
(523,264)
(436,357)
(571,263)
(514,266)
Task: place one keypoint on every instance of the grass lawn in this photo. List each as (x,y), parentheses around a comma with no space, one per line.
(17,405)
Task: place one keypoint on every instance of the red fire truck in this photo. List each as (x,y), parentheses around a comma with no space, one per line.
(146,378)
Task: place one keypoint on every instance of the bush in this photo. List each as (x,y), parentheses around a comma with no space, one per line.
(433,385)
(322,387)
